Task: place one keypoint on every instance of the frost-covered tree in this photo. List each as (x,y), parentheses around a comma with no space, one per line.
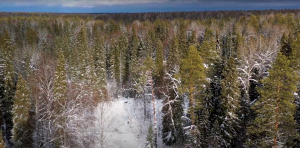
(60,99)
(172,132)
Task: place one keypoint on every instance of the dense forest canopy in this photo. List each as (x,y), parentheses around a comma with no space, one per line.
(225,78)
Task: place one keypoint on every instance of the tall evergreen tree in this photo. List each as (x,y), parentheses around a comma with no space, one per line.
(82,56)
(123,47)
(183,46)
(23,129)
(193,78)
(274,125)
(230,95)
(286,45)
(133,64)
(60,98)
(8,88)
(174,55)
(172,131)
(100,62)
(117,64)
(159,66)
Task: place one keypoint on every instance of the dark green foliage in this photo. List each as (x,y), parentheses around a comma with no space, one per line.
(160,30)
(31,37)
(123,47)
(172,132)
(133,63)
(286,45)
(117,64)
(159,66)
(8,87)
(230,100)
(182,40)
(174,55)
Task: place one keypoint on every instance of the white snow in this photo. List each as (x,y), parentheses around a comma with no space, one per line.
(122,125)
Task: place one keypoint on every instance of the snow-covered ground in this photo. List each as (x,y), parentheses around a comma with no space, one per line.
(118,120)
(124,122)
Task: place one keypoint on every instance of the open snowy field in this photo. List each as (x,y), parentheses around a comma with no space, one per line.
(122,123)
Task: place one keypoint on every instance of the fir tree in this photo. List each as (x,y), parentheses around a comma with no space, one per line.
(172,131)
(133,64)
(22,130)
(60,98)
(230,95)
(99,62)
(8,87)
(286,45)
(274,125)
(174,55)
(117,66)
(159,66)
(123,47)
(82,57)
(209,53)
(182,40)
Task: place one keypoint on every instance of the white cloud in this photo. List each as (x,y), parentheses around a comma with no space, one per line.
(88,6)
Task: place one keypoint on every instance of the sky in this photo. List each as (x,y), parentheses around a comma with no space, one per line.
(132,6)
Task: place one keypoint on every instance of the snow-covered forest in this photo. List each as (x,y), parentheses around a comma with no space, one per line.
(150,80)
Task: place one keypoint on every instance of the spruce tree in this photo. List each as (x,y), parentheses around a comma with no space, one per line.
(82,57)
(133,64)
(274,125)
(172,131)
(209,53)
(159,66)
(60,98)
(8,87)
(100,62)
(22,130)
(183,46)
(123,47)
(230,100)
(174,55)
(117,66)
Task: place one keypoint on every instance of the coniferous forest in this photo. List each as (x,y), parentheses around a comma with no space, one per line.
(213,79)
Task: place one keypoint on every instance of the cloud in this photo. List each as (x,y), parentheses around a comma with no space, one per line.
(94,3)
